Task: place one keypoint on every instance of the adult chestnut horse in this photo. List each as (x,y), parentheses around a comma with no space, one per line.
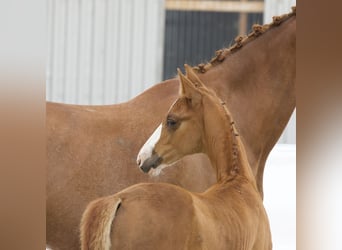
(228,216)
(91,150)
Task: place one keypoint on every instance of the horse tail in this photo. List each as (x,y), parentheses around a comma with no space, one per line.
(96,223)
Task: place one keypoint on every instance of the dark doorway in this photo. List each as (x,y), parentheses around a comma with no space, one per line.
(192,37)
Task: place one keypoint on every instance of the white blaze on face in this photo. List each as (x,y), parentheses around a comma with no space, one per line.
(146,150)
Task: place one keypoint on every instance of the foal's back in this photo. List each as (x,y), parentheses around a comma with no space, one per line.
(149,216)
(165,216)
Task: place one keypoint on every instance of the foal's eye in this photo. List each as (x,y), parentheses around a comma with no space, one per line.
(171,123)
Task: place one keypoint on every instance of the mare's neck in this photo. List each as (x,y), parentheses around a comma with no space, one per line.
(258,84)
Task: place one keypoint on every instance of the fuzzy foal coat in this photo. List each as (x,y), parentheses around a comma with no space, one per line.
(173,218)
(228,216)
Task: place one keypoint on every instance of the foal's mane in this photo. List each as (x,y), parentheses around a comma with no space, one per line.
(234,134)
(235,149)
(240,41)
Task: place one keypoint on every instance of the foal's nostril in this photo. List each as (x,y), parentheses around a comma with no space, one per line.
(152,162)
(145,169)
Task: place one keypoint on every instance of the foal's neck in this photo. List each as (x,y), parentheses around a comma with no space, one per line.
(226,151)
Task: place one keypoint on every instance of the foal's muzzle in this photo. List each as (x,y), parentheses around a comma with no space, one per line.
(151,162)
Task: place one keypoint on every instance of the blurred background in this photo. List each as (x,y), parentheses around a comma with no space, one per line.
(108,51)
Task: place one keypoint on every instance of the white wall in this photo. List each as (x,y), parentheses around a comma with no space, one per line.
(276,7)
(103,51)
(280,195)
(289,134)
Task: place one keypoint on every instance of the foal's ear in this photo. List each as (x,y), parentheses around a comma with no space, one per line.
(188,89)
(192,76)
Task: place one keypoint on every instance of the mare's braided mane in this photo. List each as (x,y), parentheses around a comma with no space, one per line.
(240,41)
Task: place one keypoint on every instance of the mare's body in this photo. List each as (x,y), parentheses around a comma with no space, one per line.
(91,150)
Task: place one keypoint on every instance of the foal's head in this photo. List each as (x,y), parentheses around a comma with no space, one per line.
(193,119)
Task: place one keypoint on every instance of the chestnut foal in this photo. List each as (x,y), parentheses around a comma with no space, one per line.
(228,215)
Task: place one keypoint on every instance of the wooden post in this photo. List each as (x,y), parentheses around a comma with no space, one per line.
(243,21)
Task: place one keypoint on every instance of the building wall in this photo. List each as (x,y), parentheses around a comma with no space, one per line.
(276,7)
(103,51)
